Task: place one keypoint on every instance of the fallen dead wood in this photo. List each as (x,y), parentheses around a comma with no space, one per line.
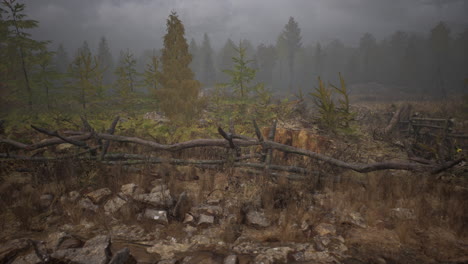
(44,143)
(111,131)
(230,141)
(362,167)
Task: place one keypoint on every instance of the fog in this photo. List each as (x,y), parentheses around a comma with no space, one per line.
(140,24)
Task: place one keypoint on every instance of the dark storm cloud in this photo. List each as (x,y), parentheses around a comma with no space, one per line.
(140,24)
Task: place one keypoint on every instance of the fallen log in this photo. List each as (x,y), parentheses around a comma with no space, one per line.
(44,143)
(362,167)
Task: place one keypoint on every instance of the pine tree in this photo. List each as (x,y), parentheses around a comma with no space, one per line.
(46,75)
(87,75)
(21,48)
(126,74)
(292,37)
(241,75)
(208,76)
(196,64)
(106,61)
(151,74)
(266,60)
(178,94)
(225,59)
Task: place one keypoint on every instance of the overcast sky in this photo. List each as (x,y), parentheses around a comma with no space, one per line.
(141,24)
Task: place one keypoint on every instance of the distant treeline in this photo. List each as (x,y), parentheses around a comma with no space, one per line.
(435,63)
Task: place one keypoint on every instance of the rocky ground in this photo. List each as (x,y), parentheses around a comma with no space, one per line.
(164,214)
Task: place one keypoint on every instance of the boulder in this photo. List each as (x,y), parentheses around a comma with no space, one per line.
(188,219)
(159,216)
(214,210)
(10,249)
(156,199)
(257,219)
(98,196)
(123,256)
(95,250)
(205,220)
(323,229)
(113,205)
(86,204)
(63,240)
(231,259)
(159,188)
(131,189)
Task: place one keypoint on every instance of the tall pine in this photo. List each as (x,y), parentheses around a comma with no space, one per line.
(208,76)
(178,94)
(292,37)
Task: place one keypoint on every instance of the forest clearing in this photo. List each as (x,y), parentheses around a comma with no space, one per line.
(282,153)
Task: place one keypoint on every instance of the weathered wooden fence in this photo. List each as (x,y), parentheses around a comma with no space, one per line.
(95,147)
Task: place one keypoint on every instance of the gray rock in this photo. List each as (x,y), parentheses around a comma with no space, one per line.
(356,219)
(98,196)
(123,256)
(319,257)
(86,204)
(231,259)
(157,199)
(95,250)
(31,258)
(324,229)
(205,220)
(257,219)
(113,205)
(214,210)
(188,219)
(10,249)
(159,216)
(129,189)
(159,188)
(68,241)
(277,254)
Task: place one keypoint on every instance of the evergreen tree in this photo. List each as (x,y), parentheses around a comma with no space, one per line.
(282,55)
(208,76)
(196,64)
(151,74)
(266,60)
(45,75)
(87,76)
(20,47)
(292,37)
(241,75)
(225,59)
(126,74)
(106,61)
(178,93)
(239,97)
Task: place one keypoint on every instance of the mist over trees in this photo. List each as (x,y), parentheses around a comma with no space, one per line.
(430,64)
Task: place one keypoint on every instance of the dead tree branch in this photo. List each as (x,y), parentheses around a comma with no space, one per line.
(110,131)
